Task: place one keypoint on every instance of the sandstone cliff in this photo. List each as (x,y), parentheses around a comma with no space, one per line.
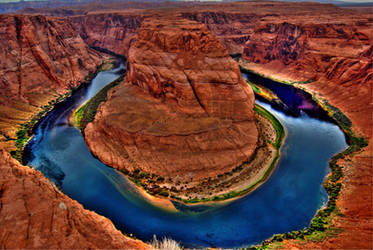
(184,111)
(42,57)
(330,48)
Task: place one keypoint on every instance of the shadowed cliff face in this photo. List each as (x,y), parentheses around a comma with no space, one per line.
(42,57)
(184,111)
(111,31)
(232,28)
(41,50)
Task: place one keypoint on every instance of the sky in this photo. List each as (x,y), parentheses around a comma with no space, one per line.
(355,1)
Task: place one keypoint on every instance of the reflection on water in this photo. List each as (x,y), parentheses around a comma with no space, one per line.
(286,201)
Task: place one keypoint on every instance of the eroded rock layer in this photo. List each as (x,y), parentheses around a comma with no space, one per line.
(184,111)
(330,52)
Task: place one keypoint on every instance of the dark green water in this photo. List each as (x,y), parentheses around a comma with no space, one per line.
(286,201)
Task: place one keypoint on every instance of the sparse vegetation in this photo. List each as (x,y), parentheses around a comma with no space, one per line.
(254,87)
(87,112)
(25,131)
(280,132)
(78,115)
(343,121)
(164,193)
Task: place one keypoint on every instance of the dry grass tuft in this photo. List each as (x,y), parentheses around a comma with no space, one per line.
(165,244)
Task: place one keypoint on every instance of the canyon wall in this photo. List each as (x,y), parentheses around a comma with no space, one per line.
(42,58)
(184,110)
(327,48)
(335,59)
(112,31)
(232,28)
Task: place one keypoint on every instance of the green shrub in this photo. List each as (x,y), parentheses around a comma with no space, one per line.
(89,110)
(280,132)
(164,193)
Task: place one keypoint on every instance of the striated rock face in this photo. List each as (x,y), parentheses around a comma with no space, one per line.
(112,31)
(41,50)
(232,28)
(184,110)
(44,57)
(34,214)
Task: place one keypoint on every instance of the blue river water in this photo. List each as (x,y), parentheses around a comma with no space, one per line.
(286,201)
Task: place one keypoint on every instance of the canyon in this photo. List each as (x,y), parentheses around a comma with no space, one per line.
(320,48)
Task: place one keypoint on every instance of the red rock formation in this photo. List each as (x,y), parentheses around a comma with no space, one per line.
(41,50)
(185,110)
(232,28)
(34,214)
(42,57)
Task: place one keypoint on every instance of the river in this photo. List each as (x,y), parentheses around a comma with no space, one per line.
(286,201)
